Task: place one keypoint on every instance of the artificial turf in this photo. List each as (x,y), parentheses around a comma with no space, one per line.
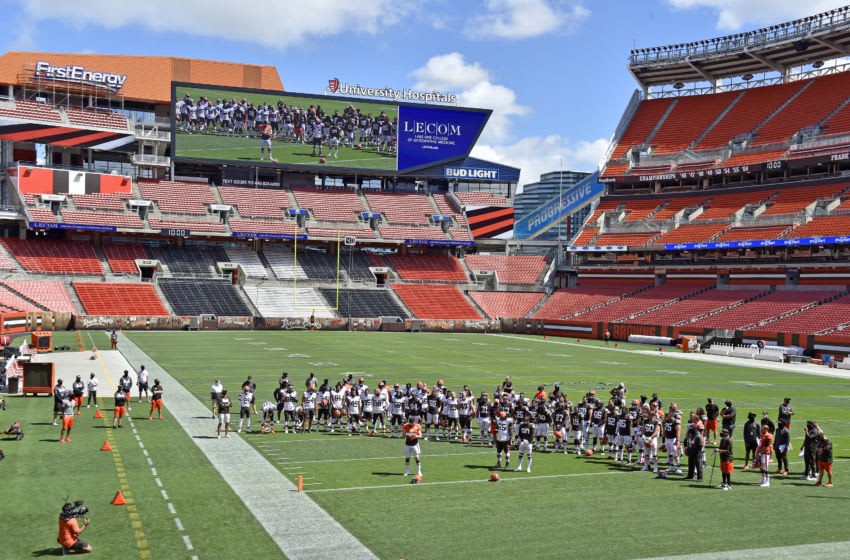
(568,506)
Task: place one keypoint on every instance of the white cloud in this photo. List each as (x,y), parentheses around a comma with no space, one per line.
(734,15)
(522,19)
(305,19)
(536,155)
(474,88)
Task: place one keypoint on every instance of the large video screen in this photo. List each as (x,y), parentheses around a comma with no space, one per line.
(241,126)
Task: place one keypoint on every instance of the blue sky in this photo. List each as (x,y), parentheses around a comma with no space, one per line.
(553,71)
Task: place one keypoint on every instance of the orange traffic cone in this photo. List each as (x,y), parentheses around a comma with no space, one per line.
(118,500)
(106,446)
(98,414)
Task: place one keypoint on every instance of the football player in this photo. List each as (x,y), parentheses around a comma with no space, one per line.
(672,431)
(650,431)
(560,419)
(355,404)
(501,429)
(541,432)
(524,445)
(308,405)
(484,410)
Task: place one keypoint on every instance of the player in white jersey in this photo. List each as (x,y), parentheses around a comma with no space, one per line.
(452,414)
(502,428)
(397,405)
(355,404)
(308,404)
(367,398)
(336,407)
(268,411)
(466,405)
(379,411)
(290,402)
(245,398)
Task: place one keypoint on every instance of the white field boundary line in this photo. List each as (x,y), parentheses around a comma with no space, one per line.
(233,457)
(821,551)
(475,481)
(757,364)
(154,473)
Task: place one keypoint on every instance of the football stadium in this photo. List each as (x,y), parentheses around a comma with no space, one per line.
(241,300)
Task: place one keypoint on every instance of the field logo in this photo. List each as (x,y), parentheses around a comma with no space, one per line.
(333,85)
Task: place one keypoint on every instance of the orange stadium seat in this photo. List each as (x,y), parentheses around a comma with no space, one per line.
(52,296)
(54,256)
(823,227)
(691,233)
(688,119)
(506,304)
(566,303)
(771,305)
(330,205)
(428,267)
(435,301)
(644,120)
(410,209)
(256,203)
(177,197)
(510,269)
(819,318)
(122,256)
(119,299)
(681,312)
(642,301)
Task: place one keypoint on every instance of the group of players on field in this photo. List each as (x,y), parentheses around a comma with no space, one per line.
(284,122)
(632,432)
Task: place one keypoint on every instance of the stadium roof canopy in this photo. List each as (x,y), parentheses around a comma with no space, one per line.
(776,48)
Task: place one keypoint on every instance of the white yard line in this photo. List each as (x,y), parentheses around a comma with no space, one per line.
(821,551)
(234,457)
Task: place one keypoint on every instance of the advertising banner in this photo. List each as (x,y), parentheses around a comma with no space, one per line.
(559,207)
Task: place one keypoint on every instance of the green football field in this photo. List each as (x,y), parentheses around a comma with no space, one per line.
(228,148)
(568,506)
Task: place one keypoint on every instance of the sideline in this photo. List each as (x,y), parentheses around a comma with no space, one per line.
(821,551)
(806,369)
(234,457)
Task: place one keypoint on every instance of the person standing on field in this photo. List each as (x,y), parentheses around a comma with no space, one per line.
(224,405)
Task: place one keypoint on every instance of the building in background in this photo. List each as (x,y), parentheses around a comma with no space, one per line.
(549,186)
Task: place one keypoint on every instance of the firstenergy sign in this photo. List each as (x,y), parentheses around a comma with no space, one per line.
(76,73)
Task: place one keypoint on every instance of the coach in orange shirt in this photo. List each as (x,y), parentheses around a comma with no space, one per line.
(412,433)
(69,535)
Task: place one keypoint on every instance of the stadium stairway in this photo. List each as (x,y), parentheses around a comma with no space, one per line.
(104,262)
(474,303)
(247,301)
(265,261)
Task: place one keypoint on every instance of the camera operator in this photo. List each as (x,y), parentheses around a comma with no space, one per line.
(70,529)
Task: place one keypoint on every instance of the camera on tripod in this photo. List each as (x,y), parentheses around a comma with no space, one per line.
(74,509)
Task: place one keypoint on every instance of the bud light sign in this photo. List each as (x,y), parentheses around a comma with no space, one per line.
(430,135)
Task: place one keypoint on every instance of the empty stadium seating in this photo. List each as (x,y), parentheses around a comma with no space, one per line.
(688,119)
(30,110)
(683,311)
(460,233)
(752,233)
(723,206)
(177,197)
(248,259)
(771,305)
(644,120)
(434,301)
(823,226)
(256,203)
(402,208)
(750,110)
(281,301)
(100,298)
(586,236)
(281,258)
(640,209)
(446,208)
(691,233)
(100,118)
(401,233)
(319,266)
(339,233)
(364,303)
(749,158)
(189,260)
(12,303)
(510,269)
(194,298)
(97,201)
(122,256)
(357,265)
(481,198)
(506,304)
(54,256)
(567,302)
(428,267)
(819,318)
(642,301)
(41,214)
(791,200)
(633,239)
(126,220)
(51,296)
(5,262)
(807,109)
(332,205)
(258,226)
(677,204)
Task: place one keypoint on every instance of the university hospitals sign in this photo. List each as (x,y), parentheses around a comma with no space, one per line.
(342,88)
(76,73)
